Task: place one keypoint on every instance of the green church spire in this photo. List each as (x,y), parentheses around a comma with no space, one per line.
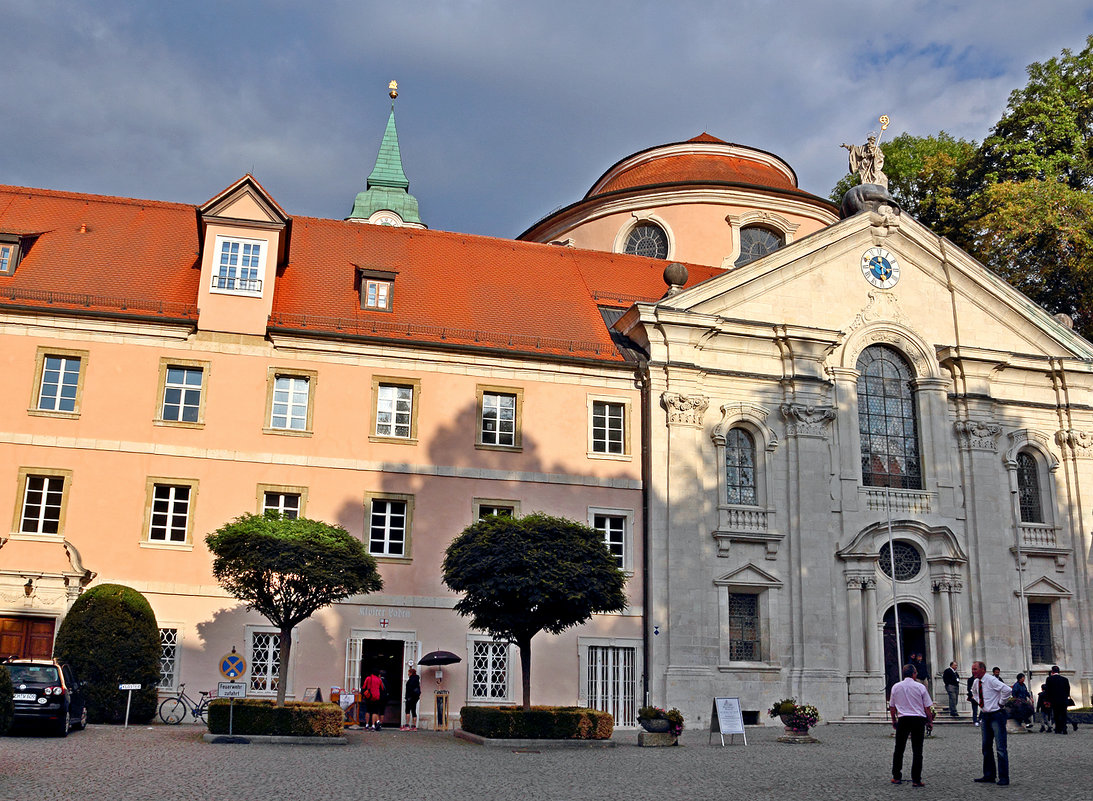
(387,186)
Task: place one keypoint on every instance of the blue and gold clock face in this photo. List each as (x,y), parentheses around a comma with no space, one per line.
(880,268)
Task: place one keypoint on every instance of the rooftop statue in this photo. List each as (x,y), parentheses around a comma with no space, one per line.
(867,160)
(872,194)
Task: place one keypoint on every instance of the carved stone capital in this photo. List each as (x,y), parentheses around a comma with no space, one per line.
(977,435)
(685,409)
(869,583)
(807,421)
(943,585)
(1081,442)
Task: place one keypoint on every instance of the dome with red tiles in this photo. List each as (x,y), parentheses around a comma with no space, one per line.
(705,159)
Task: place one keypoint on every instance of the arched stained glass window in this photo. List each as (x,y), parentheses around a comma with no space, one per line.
(886,420)
(1028,489)
(647,239)
(756,242)
(740,467)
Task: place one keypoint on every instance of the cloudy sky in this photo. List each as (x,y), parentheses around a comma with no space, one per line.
(508,110)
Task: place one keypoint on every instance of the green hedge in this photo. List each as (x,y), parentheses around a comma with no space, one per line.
(539,723)
(7,706)
(110,637)
(261,716)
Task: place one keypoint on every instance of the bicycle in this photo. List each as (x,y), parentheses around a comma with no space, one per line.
(174,709)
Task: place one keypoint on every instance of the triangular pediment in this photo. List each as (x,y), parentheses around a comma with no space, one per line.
(748,576)
(245,201)
(818,284)
(1045,587)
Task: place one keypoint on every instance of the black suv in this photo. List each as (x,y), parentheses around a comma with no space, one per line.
(48,692)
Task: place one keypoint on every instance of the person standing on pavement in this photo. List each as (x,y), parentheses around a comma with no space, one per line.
(912,710)
(413,693)
(973,701)
(1022,693)
(951,679)
(1058,695)
(992,693)
(373,692)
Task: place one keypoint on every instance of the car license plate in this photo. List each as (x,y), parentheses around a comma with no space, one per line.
(24,697)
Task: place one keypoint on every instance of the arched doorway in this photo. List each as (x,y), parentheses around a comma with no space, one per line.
(912,630)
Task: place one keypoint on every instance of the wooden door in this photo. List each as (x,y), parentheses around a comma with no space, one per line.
(26,637)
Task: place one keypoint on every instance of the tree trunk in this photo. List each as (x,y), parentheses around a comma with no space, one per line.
(282,668)
(525,670)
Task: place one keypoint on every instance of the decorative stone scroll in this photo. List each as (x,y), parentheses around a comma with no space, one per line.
(685,409)
(807,421)
(1081,442)
(977,435)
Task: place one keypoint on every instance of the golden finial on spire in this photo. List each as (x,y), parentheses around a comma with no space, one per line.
(393,89)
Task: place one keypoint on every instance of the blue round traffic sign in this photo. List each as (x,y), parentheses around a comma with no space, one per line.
(232,666)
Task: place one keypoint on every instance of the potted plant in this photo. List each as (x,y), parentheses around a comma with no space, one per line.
(655,719)
(797,718)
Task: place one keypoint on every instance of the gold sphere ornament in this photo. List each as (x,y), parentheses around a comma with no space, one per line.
(393,89)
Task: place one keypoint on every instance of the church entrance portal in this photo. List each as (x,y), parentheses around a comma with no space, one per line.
(912,630)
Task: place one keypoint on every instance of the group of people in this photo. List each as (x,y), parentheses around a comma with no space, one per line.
(912,712)
(374,692)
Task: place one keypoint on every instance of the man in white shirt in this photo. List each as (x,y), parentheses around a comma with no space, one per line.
(991,693)
(911,708)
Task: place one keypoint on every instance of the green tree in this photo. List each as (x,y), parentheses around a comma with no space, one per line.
(110,637)
(520,576)
(287,569)
(7,705)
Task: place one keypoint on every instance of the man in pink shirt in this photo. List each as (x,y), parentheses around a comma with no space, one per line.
(911,708)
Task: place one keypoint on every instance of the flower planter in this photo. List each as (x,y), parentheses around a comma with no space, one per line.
(656,725)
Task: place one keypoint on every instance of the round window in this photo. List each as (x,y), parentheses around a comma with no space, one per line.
(647,240)
(907,558)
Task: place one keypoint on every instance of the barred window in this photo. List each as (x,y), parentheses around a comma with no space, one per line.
(1039,624)
(647,239)
(740,467)
(490,670)
(907,558)
(744,627)
(756,242)
(265,661)
(887,421)
(168,659)
(1028,489)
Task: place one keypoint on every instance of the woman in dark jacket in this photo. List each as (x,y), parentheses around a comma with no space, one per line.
(413,693)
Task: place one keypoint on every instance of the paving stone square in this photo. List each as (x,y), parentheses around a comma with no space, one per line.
(164,763)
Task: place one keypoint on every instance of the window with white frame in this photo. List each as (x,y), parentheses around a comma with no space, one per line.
(286,504)
(489,673)
(43,503)
(388,526)
(170,513)
(59,386)
(239,266)
(394,410)
(290,402)
(497,425)
(494,510)
(168,658)
(182,394)
(377,294)
(7,254)
(608,427)
(265,661)
(647,239)
(613,528)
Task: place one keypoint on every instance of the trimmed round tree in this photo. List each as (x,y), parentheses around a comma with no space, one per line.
(110,637)
(285,569)
(7,705)
(520,576)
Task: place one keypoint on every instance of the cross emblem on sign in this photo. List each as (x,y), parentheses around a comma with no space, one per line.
(384,622)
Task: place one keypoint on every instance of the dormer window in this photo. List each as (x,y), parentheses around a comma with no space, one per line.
(240,265)
(377,290)
(9,254)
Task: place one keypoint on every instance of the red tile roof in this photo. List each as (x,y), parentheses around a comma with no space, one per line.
(698,168)
(142,257)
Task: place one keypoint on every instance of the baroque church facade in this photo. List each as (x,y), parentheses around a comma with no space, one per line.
(794,430)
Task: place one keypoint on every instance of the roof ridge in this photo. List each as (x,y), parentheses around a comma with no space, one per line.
(70,195)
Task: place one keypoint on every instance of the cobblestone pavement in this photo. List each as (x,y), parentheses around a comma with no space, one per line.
(161,763)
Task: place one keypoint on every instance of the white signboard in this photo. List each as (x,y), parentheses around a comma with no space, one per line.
(726,719)
(231,689)
(128,686)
